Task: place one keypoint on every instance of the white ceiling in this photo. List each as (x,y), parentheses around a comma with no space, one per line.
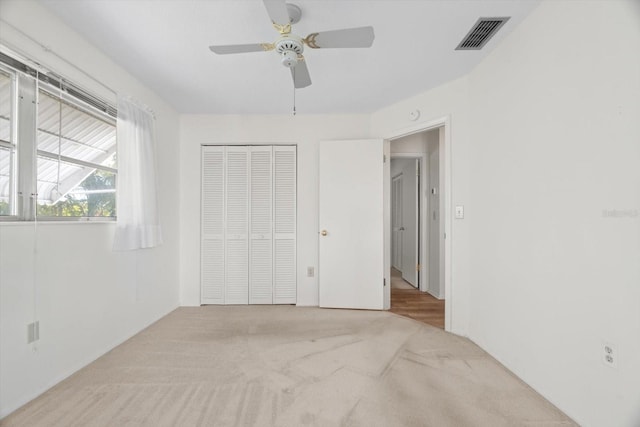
(164,43)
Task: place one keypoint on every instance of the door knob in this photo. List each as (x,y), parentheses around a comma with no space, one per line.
(401,228)
(324,232)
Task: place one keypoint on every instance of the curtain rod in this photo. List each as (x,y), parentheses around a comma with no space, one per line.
(48,49)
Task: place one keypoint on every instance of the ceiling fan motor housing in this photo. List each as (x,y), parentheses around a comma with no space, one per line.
(289,47)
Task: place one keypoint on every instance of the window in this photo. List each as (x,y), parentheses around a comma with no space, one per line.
(76,160)
(7,145)
(57,147)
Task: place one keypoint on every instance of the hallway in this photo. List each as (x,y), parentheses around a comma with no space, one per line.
(410,302)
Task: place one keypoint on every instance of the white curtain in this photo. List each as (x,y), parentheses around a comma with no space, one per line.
(138,225)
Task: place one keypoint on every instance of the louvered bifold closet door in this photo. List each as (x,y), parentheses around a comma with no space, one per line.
(237,224)
(284,198)
(212,233)
(261,226)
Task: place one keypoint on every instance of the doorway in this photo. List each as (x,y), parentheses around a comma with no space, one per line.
(417,226)
(355,219)
(405,219)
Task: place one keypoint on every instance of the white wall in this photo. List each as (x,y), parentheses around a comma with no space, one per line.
(86,297)
(414,143)
(544,136)
(398,165)
(557,131)
(436,228)
(306,132)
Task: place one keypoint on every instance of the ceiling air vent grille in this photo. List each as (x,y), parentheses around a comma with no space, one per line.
(481,32)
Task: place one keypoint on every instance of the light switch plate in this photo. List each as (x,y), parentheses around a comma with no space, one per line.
(460,212)
(33,332)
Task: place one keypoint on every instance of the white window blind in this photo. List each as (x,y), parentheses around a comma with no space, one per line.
(76,162)
(7,145)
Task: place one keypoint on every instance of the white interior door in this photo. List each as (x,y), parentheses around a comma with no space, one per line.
(351,222)
(396,222)
(410,228)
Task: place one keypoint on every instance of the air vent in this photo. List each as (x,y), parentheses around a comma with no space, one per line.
(481,32)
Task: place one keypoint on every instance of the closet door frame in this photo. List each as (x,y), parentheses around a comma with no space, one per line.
(283,245)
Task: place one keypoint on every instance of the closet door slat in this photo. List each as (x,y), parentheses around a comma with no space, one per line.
(212,230)
(236,233)
(284,197)
(261,226)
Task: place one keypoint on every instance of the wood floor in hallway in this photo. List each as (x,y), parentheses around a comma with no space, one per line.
(410,302)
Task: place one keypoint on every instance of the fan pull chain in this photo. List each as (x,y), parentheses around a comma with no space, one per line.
(294,91)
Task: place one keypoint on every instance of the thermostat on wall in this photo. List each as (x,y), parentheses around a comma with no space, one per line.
(414,115)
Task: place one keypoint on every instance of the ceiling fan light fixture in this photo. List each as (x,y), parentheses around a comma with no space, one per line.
(289,58)
(295,13)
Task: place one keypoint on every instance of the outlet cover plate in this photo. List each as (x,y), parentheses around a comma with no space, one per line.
(610,354)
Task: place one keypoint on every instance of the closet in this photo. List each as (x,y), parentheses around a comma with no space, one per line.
(248,225)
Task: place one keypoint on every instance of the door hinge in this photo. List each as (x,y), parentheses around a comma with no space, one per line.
(384,158)
(384,282)
(418,267)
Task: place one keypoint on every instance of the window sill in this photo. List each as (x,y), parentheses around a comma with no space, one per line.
(49,221)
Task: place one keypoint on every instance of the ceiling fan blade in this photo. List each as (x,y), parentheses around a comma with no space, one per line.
(277,10)
(349,37)
(300,74)
(241,48)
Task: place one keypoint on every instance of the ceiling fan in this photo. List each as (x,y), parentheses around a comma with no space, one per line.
(290,46)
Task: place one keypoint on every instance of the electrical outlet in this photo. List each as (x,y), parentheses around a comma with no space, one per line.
(610,354)
(33,332)
(310,271)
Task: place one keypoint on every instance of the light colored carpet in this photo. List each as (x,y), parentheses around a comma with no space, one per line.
(291,366)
